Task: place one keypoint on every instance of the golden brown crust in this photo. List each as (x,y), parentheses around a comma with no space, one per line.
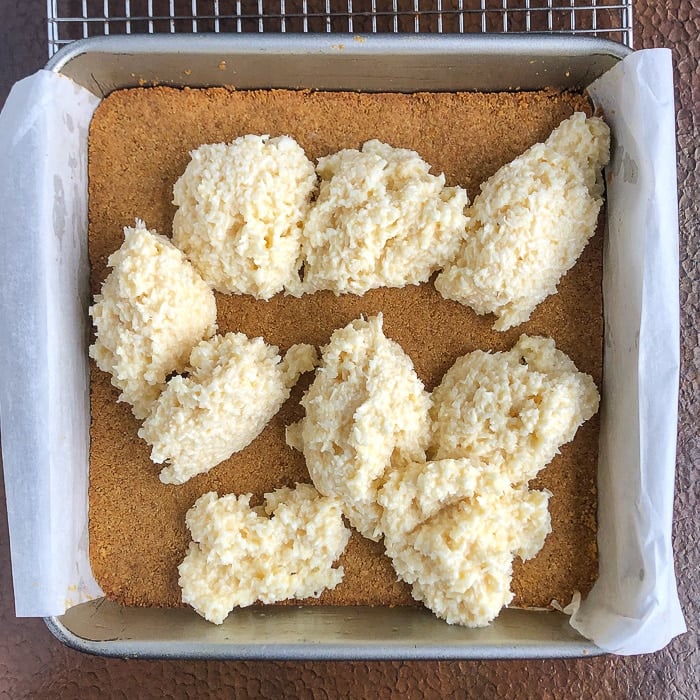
(139,145)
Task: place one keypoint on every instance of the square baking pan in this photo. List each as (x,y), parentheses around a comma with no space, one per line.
(338,62)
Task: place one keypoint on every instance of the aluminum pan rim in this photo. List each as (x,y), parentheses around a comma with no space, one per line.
(359,44)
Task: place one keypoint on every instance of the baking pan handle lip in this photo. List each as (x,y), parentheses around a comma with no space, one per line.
(341,43)
(126,648)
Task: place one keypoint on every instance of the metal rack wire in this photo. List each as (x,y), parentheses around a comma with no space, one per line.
(69,20)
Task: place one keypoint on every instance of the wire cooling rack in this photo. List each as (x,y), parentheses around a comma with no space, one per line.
(69,20)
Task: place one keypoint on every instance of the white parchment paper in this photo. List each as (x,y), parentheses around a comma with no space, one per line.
(44,408)
(633,607)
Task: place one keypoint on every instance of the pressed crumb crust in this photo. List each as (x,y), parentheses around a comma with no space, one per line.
(139,145)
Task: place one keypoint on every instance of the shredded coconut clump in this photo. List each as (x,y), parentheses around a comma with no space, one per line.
(365,411)
(452,527)
(511,409)
(235,386)
(459,562)
(530,223)
(380,220)
(239,555)
(152,310)
(240,212)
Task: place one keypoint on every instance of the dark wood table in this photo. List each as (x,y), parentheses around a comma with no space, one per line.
(34,665)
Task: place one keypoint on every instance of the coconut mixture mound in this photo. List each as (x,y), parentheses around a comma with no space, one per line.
(365,410)
(380,220)
(460,561)
(153,308)
(239,555)
(240,212)
(234,386)
(530,223)
(511,409)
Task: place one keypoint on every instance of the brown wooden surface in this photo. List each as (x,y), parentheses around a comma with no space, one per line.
(34,665)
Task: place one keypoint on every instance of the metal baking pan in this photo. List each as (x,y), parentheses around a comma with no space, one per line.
(339,62)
